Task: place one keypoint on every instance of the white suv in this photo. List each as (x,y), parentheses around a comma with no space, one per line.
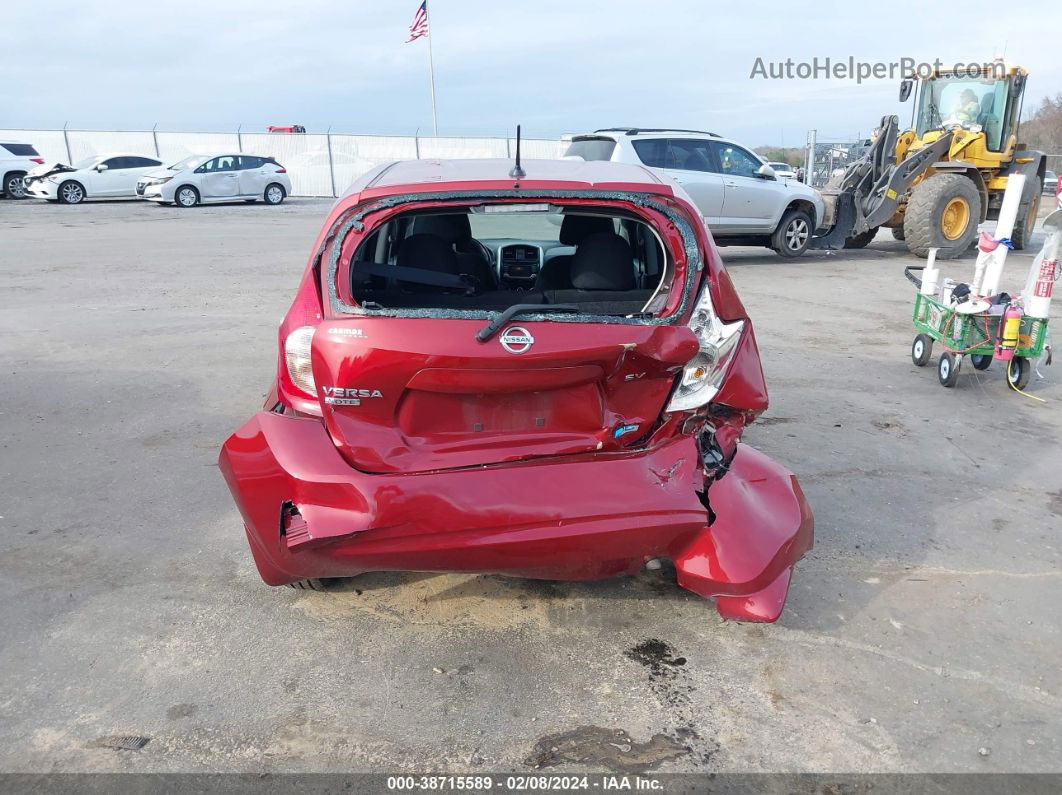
(741,198)
(16,158)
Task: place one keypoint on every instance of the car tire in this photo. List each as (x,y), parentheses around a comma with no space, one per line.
(793,235)
(274,193)
(921,350)
(1026,220)
(863,240)
(897,233)
(311,584)
(71,192)
(948,369)
(943,213)
(980,361)
(14,187)
(1018,372)
(186,196)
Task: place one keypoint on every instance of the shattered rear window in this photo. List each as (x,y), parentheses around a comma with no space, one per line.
(360,238)
(490,257)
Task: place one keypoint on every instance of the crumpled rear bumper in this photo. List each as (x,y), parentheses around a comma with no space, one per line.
(585,517)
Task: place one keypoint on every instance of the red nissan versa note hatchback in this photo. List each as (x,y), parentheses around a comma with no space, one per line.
(542,376)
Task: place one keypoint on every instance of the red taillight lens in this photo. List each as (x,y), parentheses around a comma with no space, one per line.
(295,372)
(297,358)
(282,170)
(39,161)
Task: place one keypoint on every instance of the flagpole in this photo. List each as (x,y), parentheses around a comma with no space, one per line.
(431,74)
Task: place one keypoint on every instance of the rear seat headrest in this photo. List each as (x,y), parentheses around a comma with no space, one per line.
(427,252)
(603,261)
(452,228)
(576,228)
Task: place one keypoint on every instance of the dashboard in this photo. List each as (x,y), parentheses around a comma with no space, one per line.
(519,262)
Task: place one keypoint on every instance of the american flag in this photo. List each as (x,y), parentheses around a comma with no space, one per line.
(420,23)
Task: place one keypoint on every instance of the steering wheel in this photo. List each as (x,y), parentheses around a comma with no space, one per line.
(487,252)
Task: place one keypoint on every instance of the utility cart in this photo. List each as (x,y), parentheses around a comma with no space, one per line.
(975,335)
(980,321)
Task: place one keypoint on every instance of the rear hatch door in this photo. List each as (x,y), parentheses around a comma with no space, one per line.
(422,394)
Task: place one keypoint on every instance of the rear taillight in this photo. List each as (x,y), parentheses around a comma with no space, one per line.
(704,373)
(297,358)
(295,383)
(281,170)
(39,161)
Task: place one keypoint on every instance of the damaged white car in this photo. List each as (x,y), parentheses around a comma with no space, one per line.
(107,176)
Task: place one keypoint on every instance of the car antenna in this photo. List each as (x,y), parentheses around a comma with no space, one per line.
(517,172)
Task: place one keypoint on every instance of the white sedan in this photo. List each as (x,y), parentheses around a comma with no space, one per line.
(98,177)
(202,179)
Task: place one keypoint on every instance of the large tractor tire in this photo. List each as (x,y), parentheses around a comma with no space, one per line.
(1026,220)
(943,213)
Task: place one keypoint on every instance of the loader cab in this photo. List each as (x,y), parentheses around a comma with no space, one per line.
(988,103)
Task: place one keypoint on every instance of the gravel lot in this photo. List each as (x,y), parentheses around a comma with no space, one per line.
(922,633)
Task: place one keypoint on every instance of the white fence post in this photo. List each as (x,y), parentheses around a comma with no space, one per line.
(331,163)
(809,158)
(66,140)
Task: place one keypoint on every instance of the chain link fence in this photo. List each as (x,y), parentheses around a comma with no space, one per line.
(318,164)
(822,159)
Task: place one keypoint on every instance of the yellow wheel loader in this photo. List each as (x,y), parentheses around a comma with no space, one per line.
(934,183)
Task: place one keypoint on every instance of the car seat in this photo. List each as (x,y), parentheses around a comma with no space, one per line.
(556,271)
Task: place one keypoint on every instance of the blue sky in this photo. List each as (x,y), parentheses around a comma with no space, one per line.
(552,66)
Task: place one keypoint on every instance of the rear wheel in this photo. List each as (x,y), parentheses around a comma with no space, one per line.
(71,192)
(921,350)
(948,369)
(1018,372)
(186,196)
(14,185)
(943,213)
(861,241)
(274,193)
(1026,220)
(793,234)
(980,361)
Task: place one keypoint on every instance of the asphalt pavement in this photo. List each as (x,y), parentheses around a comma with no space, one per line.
(922,633)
